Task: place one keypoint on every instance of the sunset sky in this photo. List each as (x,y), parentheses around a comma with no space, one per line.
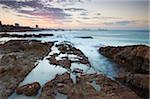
(76,14)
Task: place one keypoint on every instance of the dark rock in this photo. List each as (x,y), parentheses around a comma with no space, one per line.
(53,60)
(77,70)
(68,49)
(65,62)
(8,59)
(25,35)
(85,37)
(29,89)
(17,59)
(83,89)
(135,61)
(62,48)
(137,82)
(133,58)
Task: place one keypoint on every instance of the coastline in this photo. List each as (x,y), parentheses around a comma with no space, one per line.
(80,71)
(10,63)
(135,60)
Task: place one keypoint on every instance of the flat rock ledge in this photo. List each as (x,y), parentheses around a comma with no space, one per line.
(65,62)
(88,86)
(135,61)
(17,59)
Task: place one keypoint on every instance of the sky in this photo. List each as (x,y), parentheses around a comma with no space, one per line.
(77,14)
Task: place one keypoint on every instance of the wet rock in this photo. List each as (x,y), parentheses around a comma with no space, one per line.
(65,63)
(29,89)
(137,82)
(85,37)
(135,61)
(8,59)
(67,49)
(17,59)
(133,58)
(25,35)
(83,89)
(84,60)
(77,70)
(53,60)
(62,47)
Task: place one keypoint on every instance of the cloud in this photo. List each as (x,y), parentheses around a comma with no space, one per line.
(85,18)
(38,9)
(75,9)
(98,13)
(84,13)
(126,22)
(19,4)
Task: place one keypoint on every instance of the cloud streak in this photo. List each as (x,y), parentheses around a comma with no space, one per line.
(126,22)
(39,9)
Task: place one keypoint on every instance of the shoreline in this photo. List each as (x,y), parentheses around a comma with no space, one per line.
(135,60)
(15,65)
(67,65)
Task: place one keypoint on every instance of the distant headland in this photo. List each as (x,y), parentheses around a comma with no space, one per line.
(17,28)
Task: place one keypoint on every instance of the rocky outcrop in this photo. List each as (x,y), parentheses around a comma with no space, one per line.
(29,89)
(95,86)
(135,61)
(137,82)
(25,35)
(133,58)
(17,59)
(85,37)
(66,50)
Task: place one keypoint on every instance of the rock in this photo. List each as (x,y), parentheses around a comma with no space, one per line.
(29,89)
(77,70)
(62,48)
(139,83)
(17,59)
(84,60)
(65,63)
(85,37)
(53,60)
(84,89)
(67,49)
(133,58)
(135,61)
(8,59)
(25,35)
(2,70)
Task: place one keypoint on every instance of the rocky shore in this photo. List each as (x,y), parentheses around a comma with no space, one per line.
(135,61)
(17,59)
(88,86)
(63,58)
(25,35)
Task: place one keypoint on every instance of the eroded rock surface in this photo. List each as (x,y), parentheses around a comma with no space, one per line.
(29,89)
(104,88)
(135,61)
(133,58)
(63,57)
(17,59)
